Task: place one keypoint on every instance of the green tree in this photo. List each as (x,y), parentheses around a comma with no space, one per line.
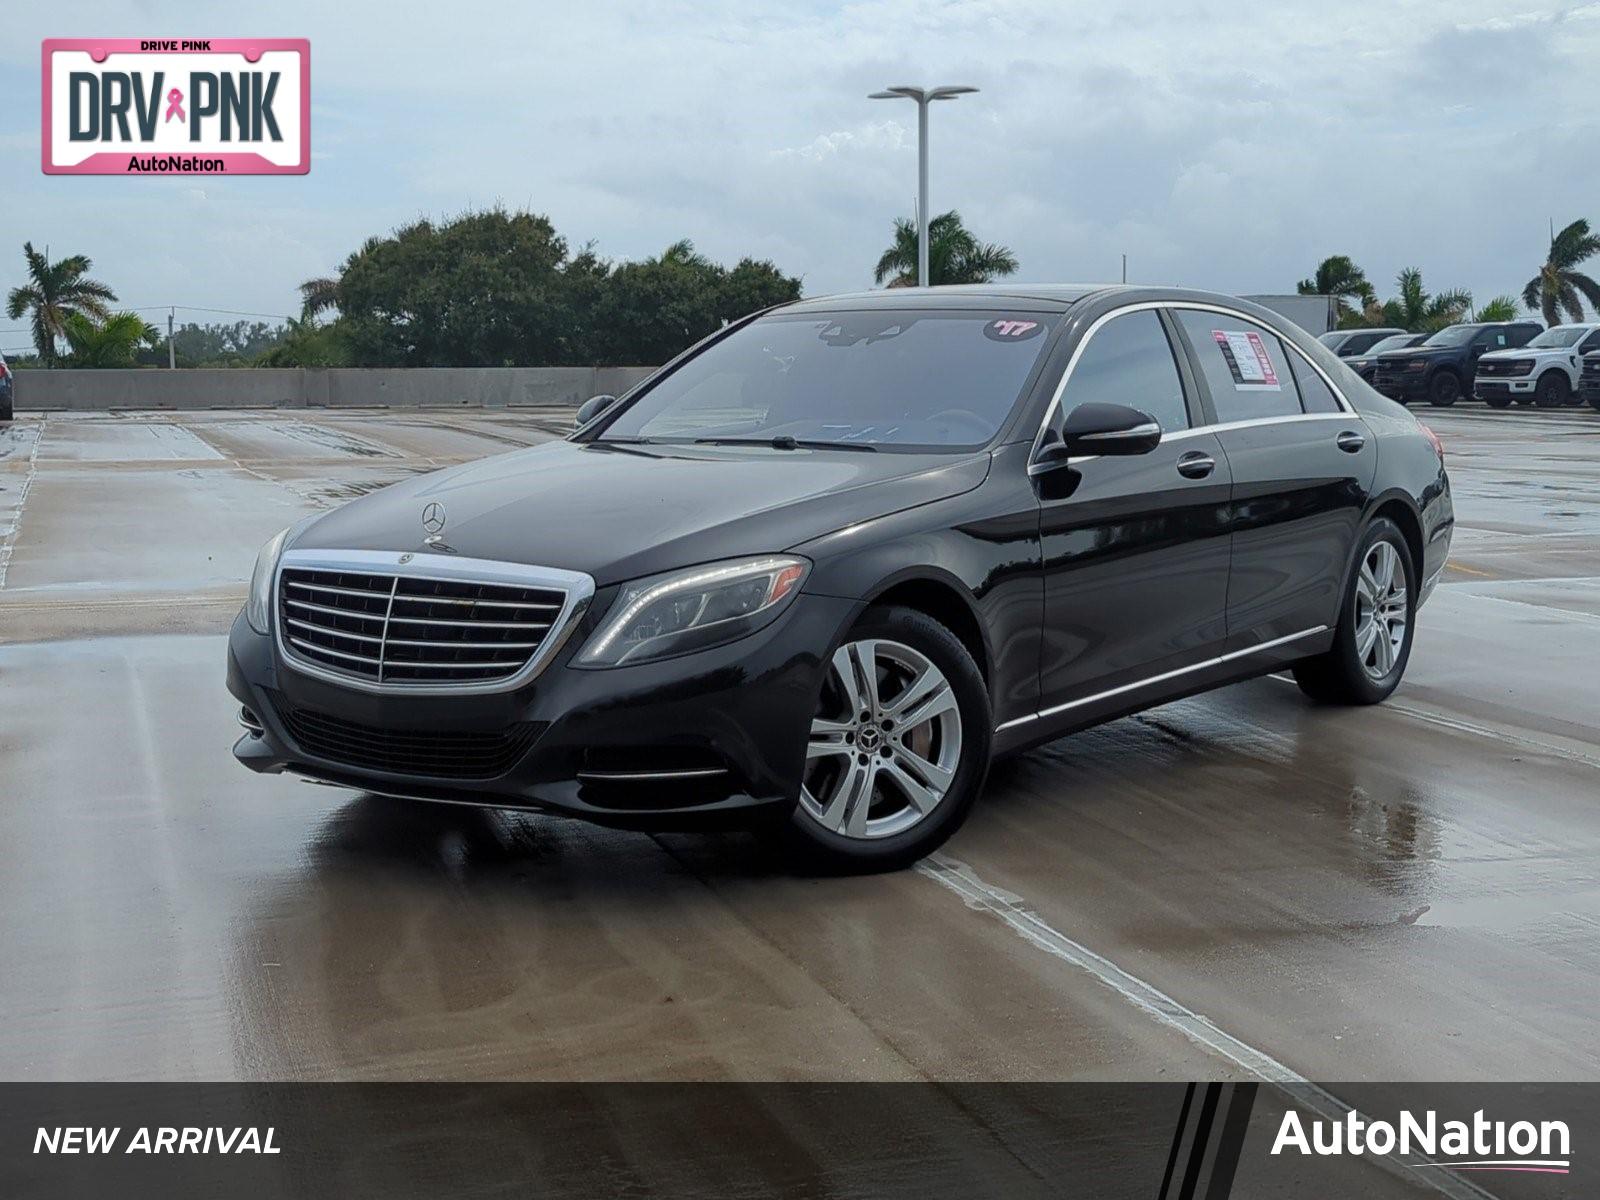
(1339,277)
(1559,285)
(954,255)
(304,343)
(113,342)
(646,312)
(484,289)
(1416,311)
(55,291)
(1501,308)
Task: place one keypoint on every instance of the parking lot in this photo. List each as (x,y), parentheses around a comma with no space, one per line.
(1238,885)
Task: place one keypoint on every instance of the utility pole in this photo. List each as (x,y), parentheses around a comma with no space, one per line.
(923,97)
(1124,268)
(172,353)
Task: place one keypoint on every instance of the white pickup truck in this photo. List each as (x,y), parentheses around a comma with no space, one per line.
(1544,372)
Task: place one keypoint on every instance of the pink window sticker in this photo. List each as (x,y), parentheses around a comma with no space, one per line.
(1247,359)
(1012,329)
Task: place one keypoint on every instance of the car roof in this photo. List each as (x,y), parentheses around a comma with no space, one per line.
(1056,296)
(1045,297)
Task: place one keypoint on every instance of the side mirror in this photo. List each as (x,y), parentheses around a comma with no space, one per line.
(593,407)
(1110,429)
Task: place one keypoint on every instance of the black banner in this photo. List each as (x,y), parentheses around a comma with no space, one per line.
(1152,1141)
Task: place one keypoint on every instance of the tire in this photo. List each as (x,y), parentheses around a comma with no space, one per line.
(1497,400)
(1350,672)
(1444,389)
(1552,390)
(1594,401)
(899,772)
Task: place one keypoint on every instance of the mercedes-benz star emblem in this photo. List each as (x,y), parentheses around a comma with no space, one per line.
(433,517)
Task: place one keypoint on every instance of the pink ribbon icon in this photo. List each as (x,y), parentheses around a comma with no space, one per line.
(175,106)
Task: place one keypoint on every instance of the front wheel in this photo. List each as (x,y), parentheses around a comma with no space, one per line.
(1444,390)
(1497,399)
(1552,390)
(899,747)
(1373,642)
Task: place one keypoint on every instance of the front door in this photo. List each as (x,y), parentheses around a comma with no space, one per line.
(1134,549)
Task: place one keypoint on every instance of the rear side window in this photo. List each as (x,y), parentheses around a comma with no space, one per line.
(1521,335)
(1129,361)
(1592,342)
(1315,395)
(1246,367)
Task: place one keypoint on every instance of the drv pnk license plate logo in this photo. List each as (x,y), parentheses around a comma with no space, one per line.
(213,106)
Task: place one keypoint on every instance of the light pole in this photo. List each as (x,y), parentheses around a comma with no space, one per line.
(923,96)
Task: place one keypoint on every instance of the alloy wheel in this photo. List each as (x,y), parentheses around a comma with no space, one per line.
(1382,610)
(885,744)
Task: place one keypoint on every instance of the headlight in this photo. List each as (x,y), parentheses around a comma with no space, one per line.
(690,610)
(1416,364)
(258,608)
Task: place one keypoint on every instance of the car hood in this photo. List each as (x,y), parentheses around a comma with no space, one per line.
(1418,352)
(1525,352)
(620,512)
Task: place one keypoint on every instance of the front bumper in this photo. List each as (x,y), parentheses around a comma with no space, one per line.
(1484,387)
(1401,385)
(703,737)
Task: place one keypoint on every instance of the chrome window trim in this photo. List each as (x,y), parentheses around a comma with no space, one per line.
(578,588)
(1347,410)
(1161,678)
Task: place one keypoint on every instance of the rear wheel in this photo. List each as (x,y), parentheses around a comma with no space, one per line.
(1373,641)
(898,749)
(1444,389)
(1552,390)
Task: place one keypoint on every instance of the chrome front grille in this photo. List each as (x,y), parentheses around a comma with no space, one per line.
(425,623)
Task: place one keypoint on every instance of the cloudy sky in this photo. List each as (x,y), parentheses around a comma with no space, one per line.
(1221,145)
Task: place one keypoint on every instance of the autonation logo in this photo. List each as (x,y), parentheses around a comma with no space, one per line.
(1476,1145)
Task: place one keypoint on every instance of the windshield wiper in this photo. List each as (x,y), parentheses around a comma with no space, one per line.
(784,442)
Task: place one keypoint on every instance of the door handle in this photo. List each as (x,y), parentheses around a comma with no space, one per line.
(1196,465)
(1350,441)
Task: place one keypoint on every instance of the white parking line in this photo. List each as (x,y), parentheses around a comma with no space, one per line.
(1014,912)
(8,537)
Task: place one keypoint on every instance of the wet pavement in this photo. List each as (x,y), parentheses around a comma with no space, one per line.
(1241,885)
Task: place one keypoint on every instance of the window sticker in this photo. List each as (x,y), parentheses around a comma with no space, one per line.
(1012,329)
(1246,356)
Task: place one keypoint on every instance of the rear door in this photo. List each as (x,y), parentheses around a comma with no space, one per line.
(1302,465)
(1134,549)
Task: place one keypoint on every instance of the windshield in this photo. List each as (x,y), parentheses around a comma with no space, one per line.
(889,378)
(1397,341)
(1453,335)
(1561,335)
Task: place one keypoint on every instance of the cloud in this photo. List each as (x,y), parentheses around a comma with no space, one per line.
(1216,145)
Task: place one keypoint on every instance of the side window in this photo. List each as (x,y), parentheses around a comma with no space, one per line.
(1129,361)
(1521,335)
(1315,395)
(1590,343)
(1245,366)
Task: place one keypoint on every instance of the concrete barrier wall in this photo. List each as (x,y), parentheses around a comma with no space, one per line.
(296,387)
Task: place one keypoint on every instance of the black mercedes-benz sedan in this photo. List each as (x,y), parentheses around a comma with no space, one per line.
(815,573)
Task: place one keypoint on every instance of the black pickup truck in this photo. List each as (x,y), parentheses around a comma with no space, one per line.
(1589,381)
(1441,369)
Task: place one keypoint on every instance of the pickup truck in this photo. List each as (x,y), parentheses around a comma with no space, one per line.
(1544,372)
(1442,368)
(1589,381)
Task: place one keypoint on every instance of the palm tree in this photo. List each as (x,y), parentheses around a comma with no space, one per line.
(1418,312)
(56,291)
(111,343)
(318,295)
(1501,308)
(1558,284)
(1338,276)
(954,255)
